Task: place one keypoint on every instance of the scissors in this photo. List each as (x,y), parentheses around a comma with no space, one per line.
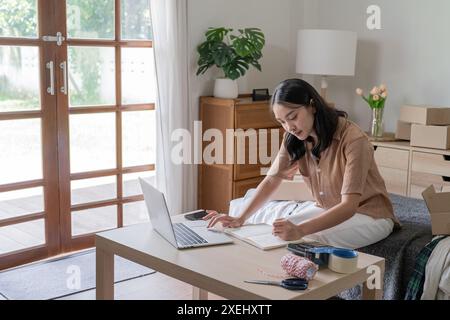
(291,283)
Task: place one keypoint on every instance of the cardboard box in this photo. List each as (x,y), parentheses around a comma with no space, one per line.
(425,115)
(403,131)
(438,204)
(437,137)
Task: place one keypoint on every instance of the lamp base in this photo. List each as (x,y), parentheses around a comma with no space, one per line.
(323,91)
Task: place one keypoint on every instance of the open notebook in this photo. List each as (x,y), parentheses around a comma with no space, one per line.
(259,235)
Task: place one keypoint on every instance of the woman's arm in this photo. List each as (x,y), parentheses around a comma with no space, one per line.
(262,194)
(286,230)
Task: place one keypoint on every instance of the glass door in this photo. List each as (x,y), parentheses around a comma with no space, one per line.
(29,208)
(77,122)
(106,116)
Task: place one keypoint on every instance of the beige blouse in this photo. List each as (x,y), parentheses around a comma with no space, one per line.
(346,166)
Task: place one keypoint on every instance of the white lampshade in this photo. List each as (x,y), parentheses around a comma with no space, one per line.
(326,52)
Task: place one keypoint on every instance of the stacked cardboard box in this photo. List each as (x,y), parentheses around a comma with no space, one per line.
(429,126)
(438,204)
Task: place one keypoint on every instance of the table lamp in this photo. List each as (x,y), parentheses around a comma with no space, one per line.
(326,53)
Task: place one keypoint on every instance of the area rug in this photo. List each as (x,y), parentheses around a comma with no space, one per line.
(62,277)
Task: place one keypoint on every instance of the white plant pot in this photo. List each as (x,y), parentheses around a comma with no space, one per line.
(225,88)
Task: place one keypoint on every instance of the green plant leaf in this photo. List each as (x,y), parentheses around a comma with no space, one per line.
(202,68)
(236,68)
(222,54)
(256,37)
(254,62)
(216,34)
(243,47)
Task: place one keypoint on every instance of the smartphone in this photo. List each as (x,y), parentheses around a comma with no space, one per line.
(197,215)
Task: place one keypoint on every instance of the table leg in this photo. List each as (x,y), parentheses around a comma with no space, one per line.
(104,274)
(373,286)
(199,294)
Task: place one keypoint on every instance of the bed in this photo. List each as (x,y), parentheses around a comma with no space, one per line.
(400,248)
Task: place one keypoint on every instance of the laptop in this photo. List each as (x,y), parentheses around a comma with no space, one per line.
(183,235)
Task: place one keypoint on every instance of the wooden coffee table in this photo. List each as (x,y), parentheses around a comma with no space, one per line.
(221,269)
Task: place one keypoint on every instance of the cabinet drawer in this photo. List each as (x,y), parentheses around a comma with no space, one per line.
(250,167)
(420,181)
(431,163)
(395,180)
(254,116)
(392,158)
(241,187)
(215,187)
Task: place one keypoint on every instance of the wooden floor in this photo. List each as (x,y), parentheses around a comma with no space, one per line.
(25,235)
(152,287)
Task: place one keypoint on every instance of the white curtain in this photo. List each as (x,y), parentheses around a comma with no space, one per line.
(169,19)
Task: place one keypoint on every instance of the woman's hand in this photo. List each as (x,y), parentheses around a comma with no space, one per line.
(286,230)
(226,220)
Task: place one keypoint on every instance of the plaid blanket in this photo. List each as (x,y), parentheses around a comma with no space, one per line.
(415,285)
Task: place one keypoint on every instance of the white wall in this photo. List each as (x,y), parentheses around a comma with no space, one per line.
(411,53)
(277,19)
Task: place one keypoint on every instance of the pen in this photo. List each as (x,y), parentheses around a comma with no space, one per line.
(296,205)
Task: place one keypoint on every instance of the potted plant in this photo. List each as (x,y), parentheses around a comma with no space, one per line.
(233,53)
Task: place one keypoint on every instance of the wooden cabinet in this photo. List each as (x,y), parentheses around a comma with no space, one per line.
(393,166)
(409,170)
(247,128)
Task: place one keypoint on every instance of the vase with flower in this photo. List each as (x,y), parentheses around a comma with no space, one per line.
(375,100)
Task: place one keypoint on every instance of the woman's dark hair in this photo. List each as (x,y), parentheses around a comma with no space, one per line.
(297,92)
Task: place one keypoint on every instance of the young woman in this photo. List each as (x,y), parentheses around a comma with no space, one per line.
(335,158)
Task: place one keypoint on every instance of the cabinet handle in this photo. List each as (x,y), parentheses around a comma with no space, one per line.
(63,66)
(51,88)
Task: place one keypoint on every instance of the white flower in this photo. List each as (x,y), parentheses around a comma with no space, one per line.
(359,92)
(376,97)
(375,91)
(383,87)
(384,95)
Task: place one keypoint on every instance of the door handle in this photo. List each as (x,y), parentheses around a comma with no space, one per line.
(63,66)
(51,88)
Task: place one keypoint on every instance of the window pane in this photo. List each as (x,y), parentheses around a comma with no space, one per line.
(138,76)
(18,18)
(94,220)
(21,202)
(90,19)
(131,186)
(136,20)
(135,212)
(22,235)
(91,76)
(19,78)
(91,190)
(138,138)
(92,142)
(21,150)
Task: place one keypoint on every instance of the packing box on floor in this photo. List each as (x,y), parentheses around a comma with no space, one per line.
(425,115)
(403,131)
(438,204)
(437,137)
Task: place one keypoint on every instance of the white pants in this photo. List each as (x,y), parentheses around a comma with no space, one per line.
(359,231)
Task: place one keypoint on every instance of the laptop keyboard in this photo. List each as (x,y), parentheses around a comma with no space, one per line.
(185,236)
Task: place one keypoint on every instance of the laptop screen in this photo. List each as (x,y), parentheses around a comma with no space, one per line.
(158,212)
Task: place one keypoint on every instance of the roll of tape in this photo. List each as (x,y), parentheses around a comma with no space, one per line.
(343,261)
